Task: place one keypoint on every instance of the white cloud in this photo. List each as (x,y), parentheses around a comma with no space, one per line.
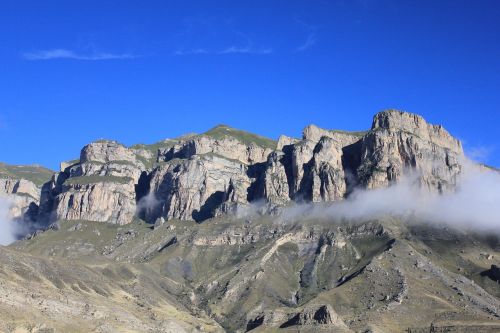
(310,41)
(246,50)
(474,204)
(188,52)
(228,50)
(311,36)
(7,225)
(69,54)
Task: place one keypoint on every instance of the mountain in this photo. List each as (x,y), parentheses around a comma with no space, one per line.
(197,177)
(226,231)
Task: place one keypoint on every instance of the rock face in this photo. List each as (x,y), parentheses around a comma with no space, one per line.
(402,143)
(20,187)
(23,197)
(101,186)
(192,189)
(197,177)
(103,201)
(223,141)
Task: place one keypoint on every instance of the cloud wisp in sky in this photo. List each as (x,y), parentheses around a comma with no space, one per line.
(246,50)
(69,54)
(311,36)
(228,50)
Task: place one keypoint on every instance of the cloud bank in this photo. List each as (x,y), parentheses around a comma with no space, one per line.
(475,204)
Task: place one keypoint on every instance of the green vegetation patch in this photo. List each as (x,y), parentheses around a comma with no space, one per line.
(223,131)
(353,133)
(93,179)
(35,173)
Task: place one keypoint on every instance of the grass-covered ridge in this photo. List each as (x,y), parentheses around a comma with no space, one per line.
(35,173)
(223,131)
(93,179)
(354,133)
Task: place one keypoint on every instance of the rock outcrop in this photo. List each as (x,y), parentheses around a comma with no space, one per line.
(192,189)
(100,187)
(23,197)
(20,187)
(402,143)
(224,141)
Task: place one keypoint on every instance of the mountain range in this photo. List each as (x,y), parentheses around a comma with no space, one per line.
(228,231)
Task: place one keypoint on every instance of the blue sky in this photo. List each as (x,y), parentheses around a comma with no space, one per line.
(141,71)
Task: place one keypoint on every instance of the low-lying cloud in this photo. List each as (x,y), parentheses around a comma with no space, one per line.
(474,204)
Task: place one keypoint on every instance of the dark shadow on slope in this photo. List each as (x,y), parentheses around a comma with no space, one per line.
(493,273)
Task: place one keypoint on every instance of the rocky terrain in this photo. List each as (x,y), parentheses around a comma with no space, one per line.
(189,235)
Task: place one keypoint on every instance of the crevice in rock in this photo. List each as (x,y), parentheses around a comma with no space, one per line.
(256,171)
(351,161)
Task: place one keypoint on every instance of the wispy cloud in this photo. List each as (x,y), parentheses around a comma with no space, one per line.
(246,50)
(310,41)
(69,54)
(189,52)
(311,36)
(228,50)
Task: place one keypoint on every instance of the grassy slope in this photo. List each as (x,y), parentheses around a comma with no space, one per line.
(222,131)
(194,267)
(35,173)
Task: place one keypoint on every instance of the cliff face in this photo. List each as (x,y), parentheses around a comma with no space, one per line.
(201,176)
(401,143)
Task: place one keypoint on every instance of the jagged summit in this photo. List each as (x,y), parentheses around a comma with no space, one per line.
(196,177)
